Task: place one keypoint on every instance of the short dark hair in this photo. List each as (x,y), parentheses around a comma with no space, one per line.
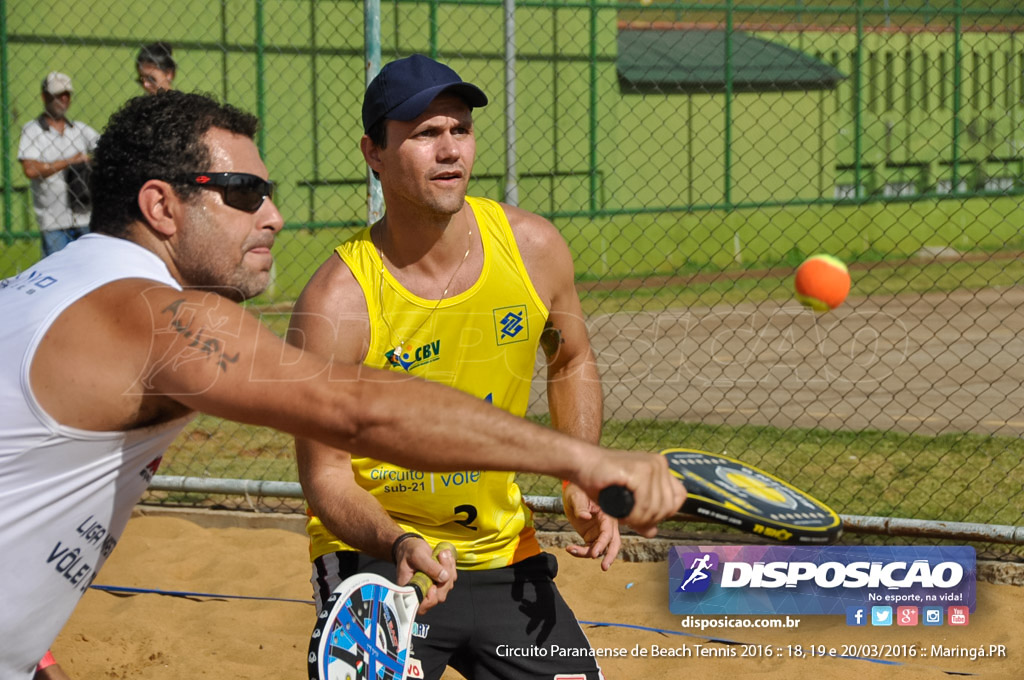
(378,134)
(155,137)
(158,54)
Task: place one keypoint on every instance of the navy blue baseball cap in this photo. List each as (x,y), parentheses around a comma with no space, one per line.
(404,89)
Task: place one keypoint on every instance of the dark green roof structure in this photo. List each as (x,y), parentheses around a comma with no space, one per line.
(693,61)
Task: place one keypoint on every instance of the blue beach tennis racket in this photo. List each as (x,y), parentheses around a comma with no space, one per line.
(365,629)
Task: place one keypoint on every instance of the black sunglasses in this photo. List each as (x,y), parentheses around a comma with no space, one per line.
(241,190)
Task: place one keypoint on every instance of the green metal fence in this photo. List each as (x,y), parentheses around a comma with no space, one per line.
(691,154)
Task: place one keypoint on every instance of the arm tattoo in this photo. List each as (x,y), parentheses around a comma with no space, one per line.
(182,323)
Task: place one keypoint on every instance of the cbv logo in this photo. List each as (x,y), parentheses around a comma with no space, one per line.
(412,358)
(697,571)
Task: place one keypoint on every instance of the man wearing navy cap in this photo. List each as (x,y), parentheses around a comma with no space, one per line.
(458,290)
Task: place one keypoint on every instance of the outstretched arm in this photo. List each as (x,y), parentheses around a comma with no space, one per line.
(198,350)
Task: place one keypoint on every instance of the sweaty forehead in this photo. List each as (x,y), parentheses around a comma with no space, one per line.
(230,152)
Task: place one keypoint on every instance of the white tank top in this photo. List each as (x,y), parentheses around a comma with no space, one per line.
(65,494)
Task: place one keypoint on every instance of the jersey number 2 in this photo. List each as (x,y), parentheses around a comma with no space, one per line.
(470,512)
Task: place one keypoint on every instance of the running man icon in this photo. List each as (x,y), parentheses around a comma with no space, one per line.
(698,571)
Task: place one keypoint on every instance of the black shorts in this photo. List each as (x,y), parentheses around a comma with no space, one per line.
(506,623)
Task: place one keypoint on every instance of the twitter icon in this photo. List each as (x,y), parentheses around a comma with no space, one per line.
(881,616)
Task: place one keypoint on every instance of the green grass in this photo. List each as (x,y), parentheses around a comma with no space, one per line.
(217,448)
(950,477)
(212,447)
(918,278)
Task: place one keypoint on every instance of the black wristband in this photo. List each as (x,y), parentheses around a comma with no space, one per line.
(398,541)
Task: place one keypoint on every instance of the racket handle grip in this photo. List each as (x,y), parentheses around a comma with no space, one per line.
(616,501)
(420,581)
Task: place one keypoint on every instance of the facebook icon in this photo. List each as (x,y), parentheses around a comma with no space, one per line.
(856,616)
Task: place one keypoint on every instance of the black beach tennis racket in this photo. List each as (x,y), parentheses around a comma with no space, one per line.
(725,490)
(365,628)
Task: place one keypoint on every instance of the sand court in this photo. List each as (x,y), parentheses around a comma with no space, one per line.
(160,637)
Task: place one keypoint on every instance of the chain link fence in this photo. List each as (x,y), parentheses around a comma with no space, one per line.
(692,154)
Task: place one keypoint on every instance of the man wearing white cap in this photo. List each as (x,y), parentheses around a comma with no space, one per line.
(54,151)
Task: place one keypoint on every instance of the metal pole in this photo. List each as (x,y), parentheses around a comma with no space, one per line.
(371,36)
(691,151)
(555,90)
(858,105)
(727,189)
(224,53)
(261,84)
(314,93)
(434,28)
(957,84)
(1012,88)
(261,108)
(230,487)
(923,528)
(511,178)
(593,107)
(5,135)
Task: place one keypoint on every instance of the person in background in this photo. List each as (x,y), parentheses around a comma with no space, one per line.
(156,67)
(54,152)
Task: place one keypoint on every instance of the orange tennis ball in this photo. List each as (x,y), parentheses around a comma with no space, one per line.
(822,283)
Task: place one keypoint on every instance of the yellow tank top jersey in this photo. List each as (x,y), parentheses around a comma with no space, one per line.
(483,341)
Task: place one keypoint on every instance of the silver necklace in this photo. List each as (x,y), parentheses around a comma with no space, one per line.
(400,346)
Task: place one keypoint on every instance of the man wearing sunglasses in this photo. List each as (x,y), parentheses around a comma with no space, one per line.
(110,346)
(463,291)
(54,153)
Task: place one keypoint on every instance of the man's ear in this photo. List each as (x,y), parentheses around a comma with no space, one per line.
(371,153)
(160,206)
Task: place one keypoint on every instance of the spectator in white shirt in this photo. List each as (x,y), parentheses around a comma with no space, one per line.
(54,152)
